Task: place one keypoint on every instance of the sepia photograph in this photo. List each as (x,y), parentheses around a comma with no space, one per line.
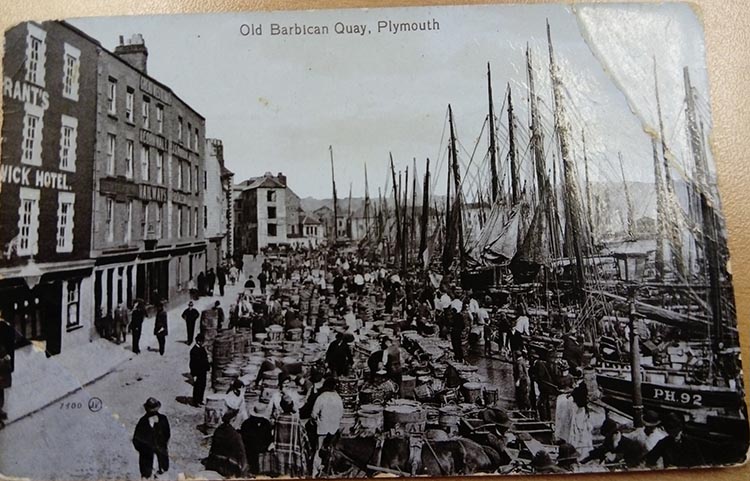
(414,241)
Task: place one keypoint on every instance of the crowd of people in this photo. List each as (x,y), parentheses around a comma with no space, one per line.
(283,435)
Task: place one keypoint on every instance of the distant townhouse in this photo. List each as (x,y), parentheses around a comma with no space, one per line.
(49,128)
(218,205)
(149,178)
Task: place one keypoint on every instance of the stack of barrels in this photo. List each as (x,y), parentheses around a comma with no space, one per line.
(222,357)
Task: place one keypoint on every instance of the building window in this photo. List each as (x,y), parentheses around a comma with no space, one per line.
(129,222)
(159,167)
(111,145)
(196,180)
(195,141)
(189,134)
(28,222)
(195,221)
(71,72)
(32,135)
(129,104)
(110,220)
(145,162)
(144,218)
(159,118)
(271,196)
(179,129)
(72,299)
(112,97)
(271,230)
(179,174)
(205,217)
(129,153)
(179,221)
(159,216)
(36,52)
(65,203)
(205,180)
(272,214)
(68,140)
(145,107)
(189,182)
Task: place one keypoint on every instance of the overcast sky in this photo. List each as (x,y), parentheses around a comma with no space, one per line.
(278,102)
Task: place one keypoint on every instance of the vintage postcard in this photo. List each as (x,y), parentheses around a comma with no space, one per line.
(345,243)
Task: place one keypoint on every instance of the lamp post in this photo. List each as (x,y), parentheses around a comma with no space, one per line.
(31,274)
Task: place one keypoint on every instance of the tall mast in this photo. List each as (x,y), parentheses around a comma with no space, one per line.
(413,231)
(514,188)
(493,147)
(335,200)
(405,224)
(448,247)
(631,233)
(674,231)
(349,215)
(573,205)
(367,205)
(660,213)
(588,186)
(457,214)
(425,211)
(700,175)
(395,199)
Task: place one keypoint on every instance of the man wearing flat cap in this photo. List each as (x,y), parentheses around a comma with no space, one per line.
(151,438)
(677,449)
(651,432)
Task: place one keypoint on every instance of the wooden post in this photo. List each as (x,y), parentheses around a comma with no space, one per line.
(635,362)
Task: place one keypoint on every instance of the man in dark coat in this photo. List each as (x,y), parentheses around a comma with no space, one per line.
(262,279)
(199,367)
(160,327)
(151,438)
(190,315)
(219,315)
(339,356)
(677,449)
(624,449)
(201,284)
(257,435)
(136,324)
(210,281)
(7,361)
(221,278)
(227,455)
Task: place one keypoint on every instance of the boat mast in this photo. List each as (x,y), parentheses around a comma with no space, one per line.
(367,205)
(457,214)
(589,208)
(425,211)
(631,230)
(335,201)
(395,200)
(660,220)
(572,203)
(674,231)
(413,231)
(700,174)
(493,147)
(514,187)
(405,224)
(448,238)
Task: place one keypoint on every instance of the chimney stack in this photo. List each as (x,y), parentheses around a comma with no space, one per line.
(282,179)
(134,52)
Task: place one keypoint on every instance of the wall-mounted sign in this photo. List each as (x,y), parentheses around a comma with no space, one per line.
(180,151)
(119,187)
(180,198)
(25,92)
(156,91)
(153,140)
(33,177)
(152,192)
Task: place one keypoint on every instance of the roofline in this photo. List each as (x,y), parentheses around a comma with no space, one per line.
(106,50)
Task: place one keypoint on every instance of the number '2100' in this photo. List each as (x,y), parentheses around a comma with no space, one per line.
(682,398)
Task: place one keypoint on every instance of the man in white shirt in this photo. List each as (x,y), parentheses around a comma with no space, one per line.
(651,432)
(327,413)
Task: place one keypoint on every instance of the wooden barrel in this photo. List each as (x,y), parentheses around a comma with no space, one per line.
(349,401)
(449,418)
(404,417)
(294,335)
(347,386)
(490,394)
(261,337)
(292,365)
(472,392)
(251,396)
(231,372)
(408,384)
(348,421)
(222,350)
(275,333)
(423,392)
(292,346)
(215,408)
(267,393)
(370,418)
